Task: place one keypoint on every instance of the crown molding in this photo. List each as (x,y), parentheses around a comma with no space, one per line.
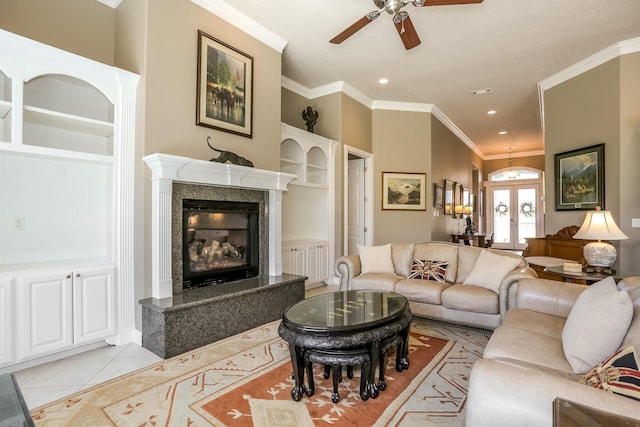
(515,155)
(111,3)
(614,51)
(238,19)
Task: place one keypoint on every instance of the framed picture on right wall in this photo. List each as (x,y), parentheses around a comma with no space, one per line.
(579,178)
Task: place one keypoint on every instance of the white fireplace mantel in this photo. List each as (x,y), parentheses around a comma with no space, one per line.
(167,169)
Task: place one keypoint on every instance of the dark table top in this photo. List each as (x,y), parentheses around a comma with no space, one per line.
(586,274)
(345,311)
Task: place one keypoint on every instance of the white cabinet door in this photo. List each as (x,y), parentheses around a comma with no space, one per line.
(294,260)
(318,263)
(6,320)
(46,316)
(93,304)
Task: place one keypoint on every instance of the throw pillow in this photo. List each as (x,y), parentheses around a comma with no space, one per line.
(375,259)
(490,269)
(428,270)
(596,325)
(618,374)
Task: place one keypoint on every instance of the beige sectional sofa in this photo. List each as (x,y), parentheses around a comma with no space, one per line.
(532,358)
(469,288)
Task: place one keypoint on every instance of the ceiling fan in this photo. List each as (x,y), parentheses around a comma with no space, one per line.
(401,19)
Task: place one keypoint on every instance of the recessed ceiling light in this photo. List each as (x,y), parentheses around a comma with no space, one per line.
(502,132)
(490,112)
(383,81)
(481,91)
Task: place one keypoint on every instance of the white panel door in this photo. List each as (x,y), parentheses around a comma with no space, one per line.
(514,214)
(356,200)
(93,304)
(6,320)
(318,258)
(44,323)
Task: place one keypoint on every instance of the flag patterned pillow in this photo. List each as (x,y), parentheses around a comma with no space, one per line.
(428,270)
(618,374)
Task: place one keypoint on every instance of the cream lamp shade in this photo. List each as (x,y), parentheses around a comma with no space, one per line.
(599,225)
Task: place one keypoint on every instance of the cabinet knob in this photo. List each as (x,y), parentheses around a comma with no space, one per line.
(68,276)
(77,274)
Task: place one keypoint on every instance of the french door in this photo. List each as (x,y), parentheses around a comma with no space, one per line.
(513,214)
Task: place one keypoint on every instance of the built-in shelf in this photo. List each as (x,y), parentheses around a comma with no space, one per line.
(5,107)
(44,117)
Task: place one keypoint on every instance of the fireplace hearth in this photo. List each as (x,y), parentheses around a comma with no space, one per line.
(176,319)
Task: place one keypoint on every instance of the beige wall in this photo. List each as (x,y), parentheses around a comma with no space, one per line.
(401,143)
(451,159)
(629,156)
(599,106)
(82,27)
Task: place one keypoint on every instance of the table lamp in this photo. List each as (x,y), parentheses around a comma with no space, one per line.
(599,225)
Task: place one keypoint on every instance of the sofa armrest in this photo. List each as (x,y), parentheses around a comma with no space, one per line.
(501,392)
(347,267)
(509,281)
(545,296)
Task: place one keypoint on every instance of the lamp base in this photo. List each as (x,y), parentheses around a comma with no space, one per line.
(602,270)
(600,256)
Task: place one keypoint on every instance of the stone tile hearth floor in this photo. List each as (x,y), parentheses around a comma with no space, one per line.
(53,380)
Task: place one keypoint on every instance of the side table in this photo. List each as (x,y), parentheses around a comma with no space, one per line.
(586,275)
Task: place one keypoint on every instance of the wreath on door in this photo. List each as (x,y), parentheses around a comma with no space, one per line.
(526,209)
(502,209)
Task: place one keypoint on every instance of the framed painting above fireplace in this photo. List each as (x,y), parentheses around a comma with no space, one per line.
(224,87)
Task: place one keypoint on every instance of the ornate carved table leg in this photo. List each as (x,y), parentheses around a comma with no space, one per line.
(298,371)
(402,358)
(374,353)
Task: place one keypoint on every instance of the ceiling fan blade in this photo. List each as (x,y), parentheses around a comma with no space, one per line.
(449,2)
(408,33)
(355,27)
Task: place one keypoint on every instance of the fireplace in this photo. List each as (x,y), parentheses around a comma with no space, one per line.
(220,241)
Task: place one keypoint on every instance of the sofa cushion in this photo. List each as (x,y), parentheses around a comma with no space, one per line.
(618,374)
(471,298)
(427,291)
(490,269)
(401,254)
(596,325)
(428,270)
(375,259)
(527,346)
(439,251)
(376,281)
(534,321)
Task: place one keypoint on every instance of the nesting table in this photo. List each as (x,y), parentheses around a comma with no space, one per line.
(350,326)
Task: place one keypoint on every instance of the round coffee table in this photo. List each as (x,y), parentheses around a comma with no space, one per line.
(340,322)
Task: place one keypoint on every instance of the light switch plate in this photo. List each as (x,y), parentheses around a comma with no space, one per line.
(635,222)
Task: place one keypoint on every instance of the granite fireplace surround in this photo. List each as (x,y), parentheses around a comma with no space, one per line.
(176,320)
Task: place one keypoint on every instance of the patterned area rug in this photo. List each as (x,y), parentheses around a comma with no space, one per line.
(246,380)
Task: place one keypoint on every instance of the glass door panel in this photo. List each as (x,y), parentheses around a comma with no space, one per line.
(514,215)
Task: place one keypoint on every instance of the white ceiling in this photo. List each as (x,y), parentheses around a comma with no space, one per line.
(506,45)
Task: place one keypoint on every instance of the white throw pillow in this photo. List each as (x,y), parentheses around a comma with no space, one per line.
(490,269)
(596,325)
(375,259)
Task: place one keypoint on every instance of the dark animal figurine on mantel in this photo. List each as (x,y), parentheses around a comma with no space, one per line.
(229,157)
(310,117)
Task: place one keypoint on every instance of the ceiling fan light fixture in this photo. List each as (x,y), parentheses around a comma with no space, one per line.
(400,17)
(418,3)
(393,6)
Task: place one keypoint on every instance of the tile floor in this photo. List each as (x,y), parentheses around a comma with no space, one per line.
(51,381)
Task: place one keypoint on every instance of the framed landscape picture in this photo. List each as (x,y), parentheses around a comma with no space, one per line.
(403,191)
(438,195)
(579,176)
(224,87)
(448,197)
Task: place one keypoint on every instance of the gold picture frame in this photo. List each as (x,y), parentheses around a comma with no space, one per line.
(404,191)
